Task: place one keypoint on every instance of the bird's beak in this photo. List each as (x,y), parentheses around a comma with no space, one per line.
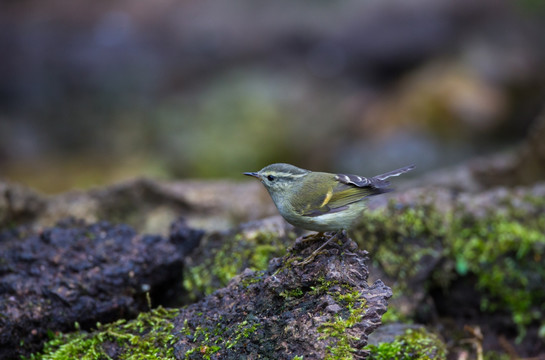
(254,174)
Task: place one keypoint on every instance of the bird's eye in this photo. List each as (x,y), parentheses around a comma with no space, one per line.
(270,178)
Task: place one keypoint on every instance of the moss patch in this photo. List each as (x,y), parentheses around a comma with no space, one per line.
(401,237)
(498,238)
(414,344)
(147,337)
(336,329)
(507,257)
(238,252)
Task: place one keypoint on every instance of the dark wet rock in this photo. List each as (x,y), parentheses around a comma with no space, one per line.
(184,237)
(279,313)
(81,273)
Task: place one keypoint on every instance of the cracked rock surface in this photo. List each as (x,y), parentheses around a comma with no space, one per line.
(74,272)
(325,307)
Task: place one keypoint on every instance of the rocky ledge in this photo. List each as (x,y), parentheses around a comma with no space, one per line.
(323,309)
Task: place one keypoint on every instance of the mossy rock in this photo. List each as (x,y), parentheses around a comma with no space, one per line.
(430,238)
(323,310)
(147,337)
(223,255)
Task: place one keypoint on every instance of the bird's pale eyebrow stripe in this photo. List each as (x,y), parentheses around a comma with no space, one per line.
(327,197)
(288,175)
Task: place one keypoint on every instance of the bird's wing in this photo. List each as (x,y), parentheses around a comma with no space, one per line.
(336,198)
(346,189)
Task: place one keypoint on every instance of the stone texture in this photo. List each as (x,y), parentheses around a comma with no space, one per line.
(75,272)
(286,311)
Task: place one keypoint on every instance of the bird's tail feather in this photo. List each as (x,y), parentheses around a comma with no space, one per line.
(379,181)
(394,172)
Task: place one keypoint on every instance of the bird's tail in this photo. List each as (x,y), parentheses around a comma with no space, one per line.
(397,172)
(379,181)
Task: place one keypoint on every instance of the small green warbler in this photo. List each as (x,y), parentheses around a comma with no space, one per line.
(321,201)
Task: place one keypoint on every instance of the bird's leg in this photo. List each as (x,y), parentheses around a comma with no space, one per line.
(312,237)
(337,235)
(305,239)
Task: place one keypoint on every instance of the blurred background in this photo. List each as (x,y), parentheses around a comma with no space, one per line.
(92,92)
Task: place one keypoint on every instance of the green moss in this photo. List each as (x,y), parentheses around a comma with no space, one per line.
(294,293)
(242,330)
(400,237)
(147,337)
(504,247)
(507,256)
(237,253)
(322,285)
(207,341)
(336,329)
(253,279)
(394,315)
(412,345)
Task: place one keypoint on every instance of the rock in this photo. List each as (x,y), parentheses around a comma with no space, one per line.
(18,204)
(449,253)
(147,205)
(150,206)
(422,241)
(276,313)
(81,273)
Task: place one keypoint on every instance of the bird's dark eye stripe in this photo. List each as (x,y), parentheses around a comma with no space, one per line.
(271,178)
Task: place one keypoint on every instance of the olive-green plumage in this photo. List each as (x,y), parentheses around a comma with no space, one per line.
(321,201)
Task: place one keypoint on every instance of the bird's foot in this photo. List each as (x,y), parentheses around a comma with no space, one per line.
(300,241)
(312,237)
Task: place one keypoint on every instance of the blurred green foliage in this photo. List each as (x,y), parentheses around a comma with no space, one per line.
(414,344)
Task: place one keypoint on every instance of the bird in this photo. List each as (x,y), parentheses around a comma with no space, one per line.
(321,201)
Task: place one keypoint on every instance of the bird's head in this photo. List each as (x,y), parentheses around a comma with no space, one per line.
(279,177)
